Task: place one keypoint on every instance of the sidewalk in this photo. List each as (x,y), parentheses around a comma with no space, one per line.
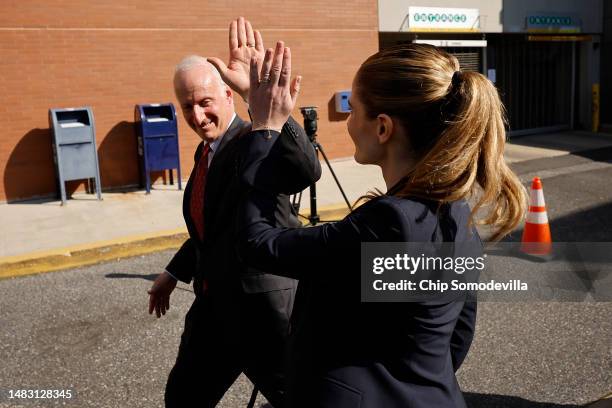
(40,236)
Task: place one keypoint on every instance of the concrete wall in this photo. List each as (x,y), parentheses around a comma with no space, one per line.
(112,55)
(391,13)
(589,11)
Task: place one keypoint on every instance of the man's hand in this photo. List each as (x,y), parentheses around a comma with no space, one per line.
(244,43)
(159,294)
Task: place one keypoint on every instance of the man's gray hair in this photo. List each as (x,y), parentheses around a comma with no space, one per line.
(193,61)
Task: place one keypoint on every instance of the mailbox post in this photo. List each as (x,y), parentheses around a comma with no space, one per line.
(74,147)
(158,147)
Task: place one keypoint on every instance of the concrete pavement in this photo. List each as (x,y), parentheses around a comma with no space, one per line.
(564,364)
(41,235)
(87,329)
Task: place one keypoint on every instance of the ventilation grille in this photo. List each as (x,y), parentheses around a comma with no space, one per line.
(469,61)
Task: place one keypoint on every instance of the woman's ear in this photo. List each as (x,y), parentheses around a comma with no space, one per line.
(384,128)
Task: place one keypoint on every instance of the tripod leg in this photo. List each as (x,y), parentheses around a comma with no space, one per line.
(314,217)
(320,148)
(253,398)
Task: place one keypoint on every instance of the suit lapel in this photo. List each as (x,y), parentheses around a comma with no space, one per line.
(219,177)
(235,129)
(219,155)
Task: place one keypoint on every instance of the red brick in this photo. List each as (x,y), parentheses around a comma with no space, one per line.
(109,66)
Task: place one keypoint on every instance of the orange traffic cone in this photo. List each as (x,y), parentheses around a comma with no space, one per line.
(536,235)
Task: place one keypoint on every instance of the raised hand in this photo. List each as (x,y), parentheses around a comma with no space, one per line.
(273,94)
(244,44)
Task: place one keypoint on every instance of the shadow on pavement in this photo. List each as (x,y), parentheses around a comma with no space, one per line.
(603,154)
(603,403)
(150,277)
(475,400)
(590,225)
(576,143)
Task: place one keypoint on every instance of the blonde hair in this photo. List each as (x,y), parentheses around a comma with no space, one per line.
(455,125)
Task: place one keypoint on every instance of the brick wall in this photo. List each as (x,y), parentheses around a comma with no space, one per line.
(113,55)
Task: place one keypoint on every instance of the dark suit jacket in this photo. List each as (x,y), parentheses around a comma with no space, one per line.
(345,353)
(214,259)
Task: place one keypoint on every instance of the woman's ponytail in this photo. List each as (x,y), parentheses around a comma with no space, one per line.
(456,127)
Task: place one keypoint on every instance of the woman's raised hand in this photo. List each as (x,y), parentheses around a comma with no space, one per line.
(272,94)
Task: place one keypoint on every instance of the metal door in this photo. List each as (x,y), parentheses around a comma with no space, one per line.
(536,82)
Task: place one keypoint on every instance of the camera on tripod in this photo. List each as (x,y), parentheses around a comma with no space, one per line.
(310,126)
(310,120)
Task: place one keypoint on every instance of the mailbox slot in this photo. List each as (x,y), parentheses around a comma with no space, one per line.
(156,114)
(75,127)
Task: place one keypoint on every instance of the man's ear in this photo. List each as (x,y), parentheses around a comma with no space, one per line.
(384,128)
(229,94)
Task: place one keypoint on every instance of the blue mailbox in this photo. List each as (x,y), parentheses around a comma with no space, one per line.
(158,147)
(74,147)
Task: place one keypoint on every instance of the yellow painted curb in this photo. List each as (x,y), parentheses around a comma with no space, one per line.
(327,214)
(92,245)
(88,254)
(101,251)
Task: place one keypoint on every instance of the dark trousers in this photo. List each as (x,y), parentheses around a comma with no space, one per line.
(214,350)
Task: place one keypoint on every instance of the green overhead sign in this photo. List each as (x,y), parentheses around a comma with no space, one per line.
(550,20)
(443,17)
(542,22)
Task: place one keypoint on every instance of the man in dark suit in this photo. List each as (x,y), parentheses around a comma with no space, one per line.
(232,302)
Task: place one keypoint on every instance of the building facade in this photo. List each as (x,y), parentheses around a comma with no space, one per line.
(113,55)
(543,56)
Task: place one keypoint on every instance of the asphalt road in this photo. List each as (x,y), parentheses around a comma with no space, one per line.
(88,330)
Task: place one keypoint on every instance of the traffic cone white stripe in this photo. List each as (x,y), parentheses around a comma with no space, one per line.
(536,238)
(537,217)
(536,198)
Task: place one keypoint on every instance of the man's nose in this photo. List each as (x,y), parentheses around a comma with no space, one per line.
(199,115)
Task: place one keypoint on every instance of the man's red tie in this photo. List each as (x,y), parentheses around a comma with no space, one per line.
(196,206)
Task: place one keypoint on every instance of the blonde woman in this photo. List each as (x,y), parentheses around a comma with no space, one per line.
(437,134)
